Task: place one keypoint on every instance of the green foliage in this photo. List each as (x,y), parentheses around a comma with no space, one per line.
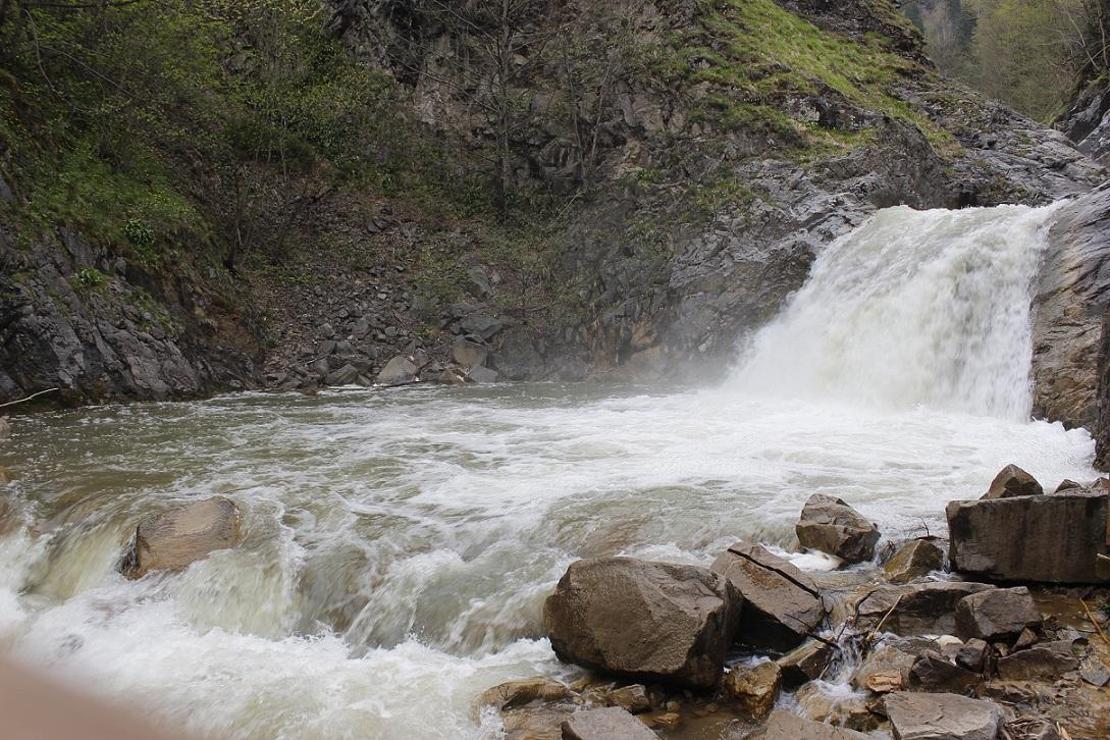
(89,278)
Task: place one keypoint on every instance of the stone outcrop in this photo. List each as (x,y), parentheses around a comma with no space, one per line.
(914,559)
(1013,481)
(828,524)
(1053,539)
(645,620)
(942,717)
(781,603)
(182,536)
(997,614)
(605,724)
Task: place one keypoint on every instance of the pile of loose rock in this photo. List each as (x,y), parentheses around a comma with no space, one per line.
(754,647)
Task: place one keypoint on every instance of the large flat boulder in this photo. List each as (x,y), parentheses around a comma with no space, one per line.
(644,620)
(783,725)
(830,525)
(1050,539)
(609,723)
(782,605)
(942,717)
(173,540)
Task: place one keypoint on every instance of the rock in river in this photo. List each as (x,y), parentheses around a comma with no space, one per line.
(783,725)
(830,525)
(645,620)
(755,689)
(914,559)
(781,603)
(1013,481)
(181,536)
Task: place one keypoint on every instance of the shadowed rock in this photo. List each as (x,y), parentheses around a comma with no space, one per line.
(805,663)
(1047,661)
(915,609)
(830,525)
(781,603)
(181,536)
(644,620)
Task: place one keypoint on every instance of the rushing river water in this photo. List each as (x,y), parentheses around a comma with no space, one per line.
(399,544)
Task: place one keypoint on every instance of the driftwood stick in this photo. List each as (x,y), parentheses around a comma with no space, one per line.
(27,398)
(882,621)
(1094,622)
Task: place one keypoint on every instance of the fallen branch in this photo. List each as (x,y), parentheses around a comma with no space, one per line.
(882,621)
(1094,622)
(28,398)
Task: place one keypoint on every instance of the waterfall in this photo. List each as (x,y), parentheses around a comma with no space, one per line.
(914,308)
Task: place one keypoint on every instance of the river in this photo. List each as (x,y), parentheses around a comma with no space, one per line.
(399,543)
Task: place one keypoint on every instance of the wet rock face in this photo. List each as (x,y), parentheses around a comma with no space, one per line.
(1073,291)
(645,620)
(755,690)
(942,717)
(915,609)
(828,524)
(1052,539)
(998,614)
(79,319)
(781,603)
(177,538)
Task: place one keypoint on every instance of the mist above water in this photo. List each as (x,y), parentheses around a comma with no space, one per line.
(400,543)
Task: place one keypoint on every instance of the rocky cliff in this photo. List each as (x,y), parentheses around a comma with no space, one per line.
(663,175)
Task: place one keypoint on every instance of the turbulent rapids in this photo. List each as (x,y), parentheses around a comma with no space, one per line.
(399,544)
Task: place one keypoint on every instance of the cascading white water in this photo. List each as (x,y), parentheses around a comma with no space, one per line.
(399,544)
(914,307)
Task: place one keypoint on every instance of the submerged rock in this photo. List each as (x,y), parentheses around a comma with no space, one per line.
(914,559)
(782,605)
(828,524)
(646,620)
(997,614)
(179,537)
(755,689)
(1053,539)
(942,717)
(609,723)
(1013,481)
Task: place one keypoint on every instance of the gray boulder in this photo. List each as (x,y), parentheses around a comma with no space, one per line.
(998,614)
(182,536)
(644,620)
(1013,481)
(1052,539)
(468,353)
(609,723)
(782,604)
(398,371)
(933,672)
(942,717)
(830,525)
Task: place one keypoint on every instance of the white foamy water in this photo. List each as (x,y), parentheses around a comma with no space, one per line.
(399,544)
